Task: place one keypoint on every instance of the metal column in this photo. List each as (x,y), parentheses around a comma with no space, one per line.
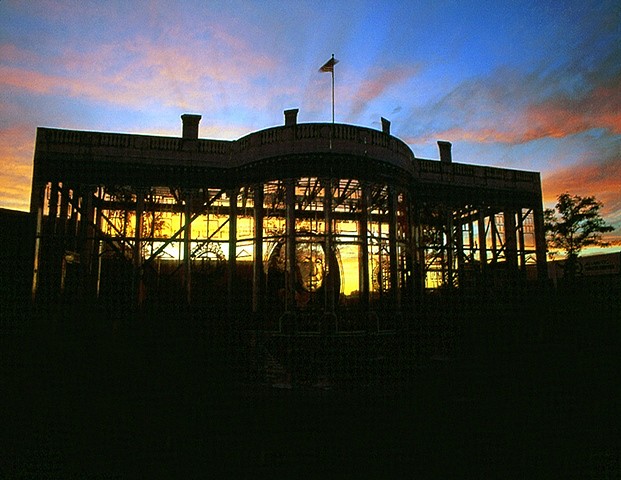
(87,241)
(53,250)
(510,240)
(520,240)
(290,246)
(187,247)
(232,261)
(540,243)
(459,245)
(137,251)
(327,209)
(257,266)
(392,242)
(482,241)
(36,207)
(448,247)
(363,232)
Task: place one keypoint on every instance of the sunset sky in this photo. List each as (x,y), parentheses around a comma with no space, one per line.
(533,85)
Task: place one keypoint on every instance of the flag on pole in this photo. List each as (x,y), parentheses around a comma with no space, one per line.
(329,65)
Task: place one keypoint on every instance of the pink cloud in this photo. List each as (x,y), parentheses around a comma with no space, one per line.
(556,117)
(16,141)
(514,107)
(563,116)
(10,53)
(24,79)
(143,71)
(379,81)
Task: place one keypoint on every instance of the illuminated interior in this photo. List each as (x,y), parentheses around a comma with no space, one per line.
(338,233)
(301,228)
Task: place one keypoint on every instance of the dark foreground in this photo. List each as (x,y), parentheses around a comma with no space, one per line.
(88,399)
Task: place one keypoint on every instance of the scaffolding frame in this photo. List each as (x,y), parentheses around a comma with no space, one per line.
(360,230)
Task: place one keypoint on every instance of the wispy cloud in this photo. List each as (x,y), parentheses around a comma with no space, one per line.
(513,106)
(142,70)
(127,65)
(482,114)
(564,115)
(379,81)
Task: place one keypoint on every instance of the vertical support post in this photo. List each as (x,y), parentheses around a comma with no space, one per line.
(417,249)
(392,243)
(459,245)
(409,268)
(450,239)
(87,241)
(64,209)
(363,232)
(482,241)
(521,244)
(291,259)
(66,234)
(53,207)
(137,251)
(72,231)
(329,233)
(98,247)
(54,251)
(36,208)
(187,247)
(471,240)
(510,239)
(232,261)
(494,231)
(540,242)
(257,266)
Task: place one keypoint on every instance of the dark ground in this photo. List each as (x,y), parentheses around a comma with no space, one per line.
(530,391)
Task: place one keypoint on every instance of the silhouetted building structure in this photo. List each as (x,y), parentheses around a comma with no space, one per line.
(302,228)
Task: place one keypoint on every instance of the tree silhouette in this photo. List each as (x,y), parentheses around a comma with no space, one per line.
(577,225)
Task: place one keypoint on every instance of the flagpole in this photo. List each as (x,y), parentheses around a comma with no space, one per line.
(333,90)
(329,67)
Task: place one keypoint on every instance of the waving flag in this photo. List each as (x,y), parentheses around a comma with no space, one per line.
(329,65)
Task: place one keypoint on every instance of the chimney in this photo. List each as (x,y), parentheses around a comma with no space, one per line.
(291,117)
(445,151)
(385,126)
(190,126)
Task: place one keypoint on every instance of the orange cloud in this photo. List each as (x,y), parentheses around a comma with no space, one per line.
(584,179)
(560,117)
(600,180)
(557,117)
(514,107)
(16,153)
(29,80)
(14,196)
